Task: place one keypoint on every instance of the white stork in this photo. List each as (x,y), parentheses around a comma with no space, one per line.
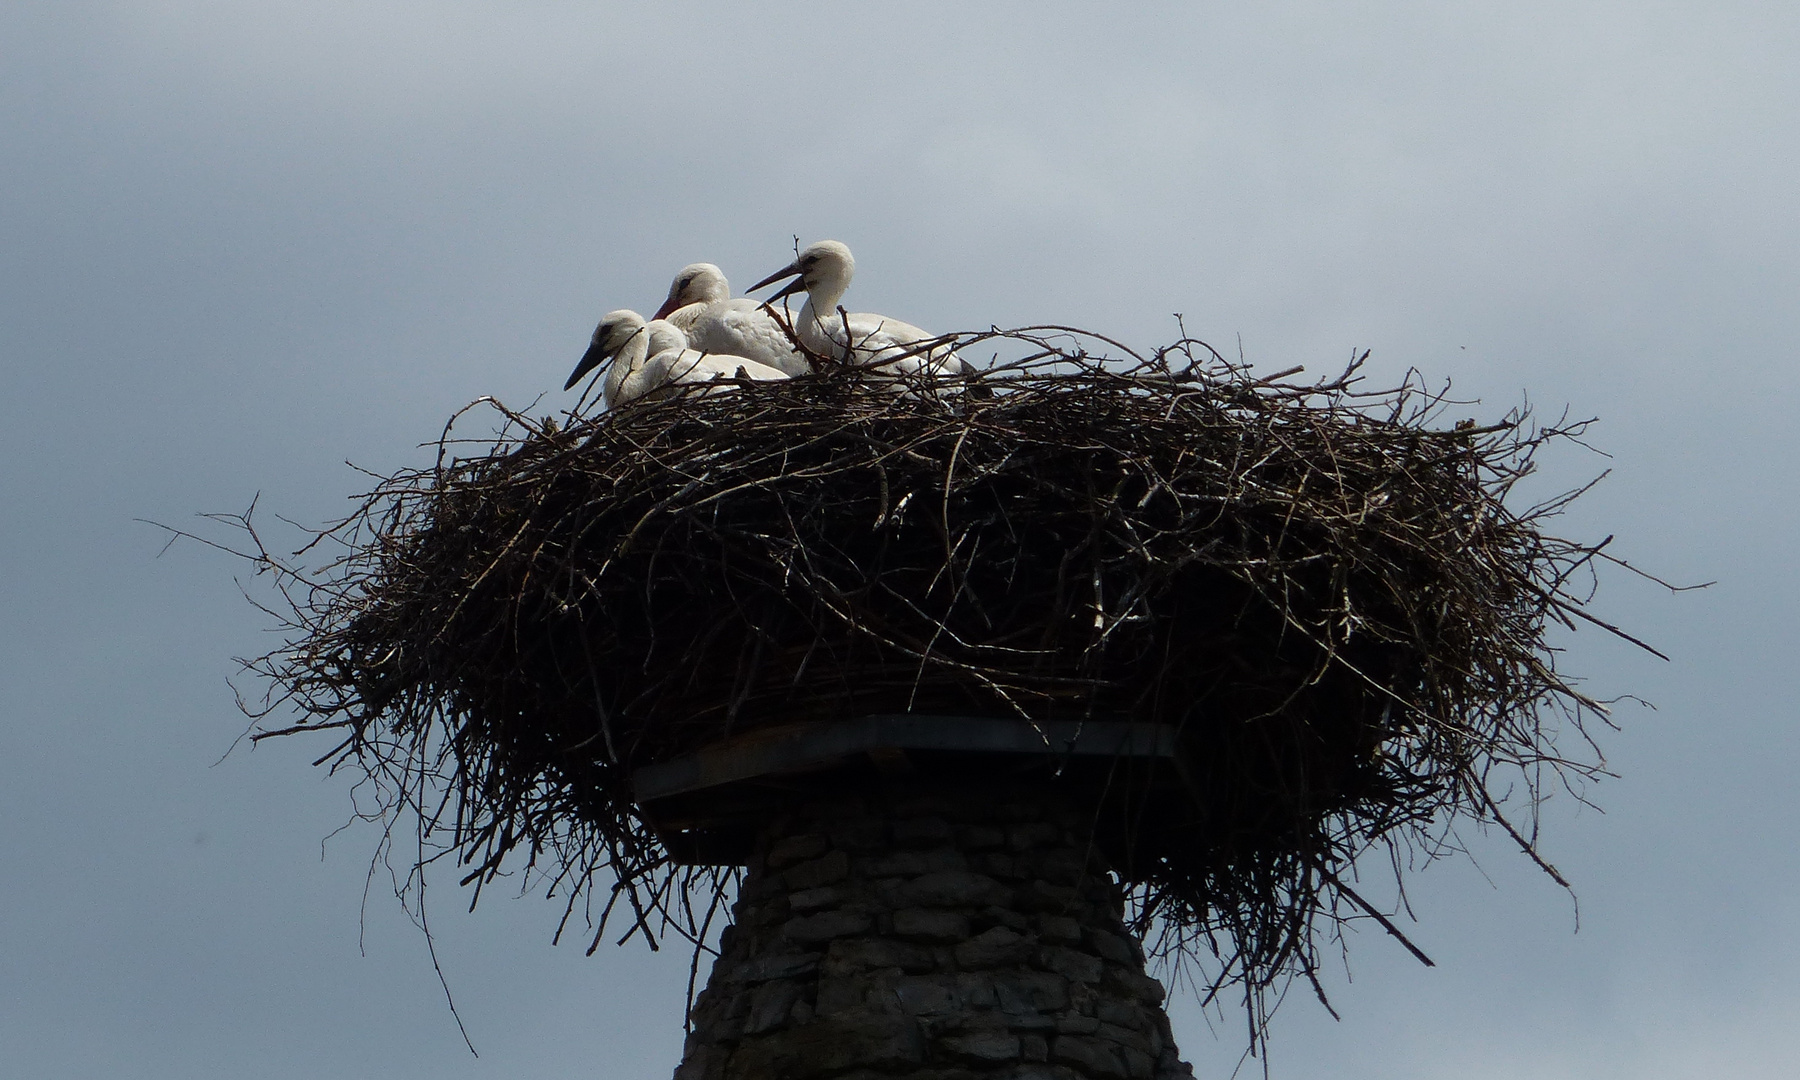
(701,304)
(651,360)
(823,270)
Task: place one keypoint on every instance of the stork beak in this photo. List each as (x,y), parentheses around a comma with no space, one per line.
(669,305)
(798,285)
(789,270)
(593,358)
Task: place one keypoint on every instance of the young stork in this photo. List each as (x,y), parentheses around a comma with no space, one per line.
(651,360)
(701,304)
(823,271)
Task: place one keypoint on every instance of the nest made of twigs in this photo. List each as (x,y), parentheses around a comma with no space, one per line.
(1324,591)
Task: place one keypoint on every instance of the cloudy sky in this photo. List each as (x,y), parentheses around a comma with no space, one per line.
(242,244)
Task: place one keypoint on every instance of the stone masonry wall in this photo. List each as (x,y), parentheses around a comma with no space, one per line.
(905,932)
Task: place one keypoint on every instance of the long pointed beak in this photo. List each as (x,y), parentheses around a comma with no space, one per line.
(593,358)
(669,305)
(798,285)
(787,271)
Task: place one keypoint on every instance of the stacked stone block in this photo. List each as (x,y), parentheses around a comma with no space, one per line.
(911,932)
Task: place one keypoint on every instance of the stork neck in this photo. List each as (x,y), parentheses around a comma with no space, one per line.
(687,315)
(664,335)
(629,359)
(826,294)
(821,329)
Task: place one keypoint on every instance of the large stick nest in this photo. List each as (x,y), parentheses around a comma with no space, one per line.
(1326,592)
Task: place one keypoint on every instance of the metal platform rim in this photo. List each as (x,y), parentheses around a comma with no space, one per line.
(798,748)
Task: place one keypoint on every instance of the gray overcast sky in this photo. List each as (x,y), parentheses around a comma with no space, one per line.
(242,243)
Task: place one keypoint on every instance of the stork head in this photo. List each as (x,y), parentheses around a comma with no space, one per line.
(614,332)
(698,283)
(824,268)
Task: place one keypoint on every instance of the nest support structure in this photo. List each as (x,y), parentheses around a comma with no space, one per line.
(1322,596)
(923,927)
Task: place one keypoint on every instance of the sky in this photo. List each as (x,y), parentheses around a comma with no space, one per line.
(243,245)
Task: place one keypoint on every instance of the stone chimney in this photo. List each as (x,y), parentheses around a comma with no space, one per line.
(895,927)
